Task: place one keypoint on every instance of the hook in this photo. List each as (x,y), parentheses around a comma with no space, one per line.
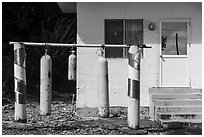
(72,50)
(101,50)
(144,46)
(46,48)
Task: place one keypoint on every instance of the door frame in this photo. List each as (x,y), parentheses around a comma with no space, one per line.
(188,20)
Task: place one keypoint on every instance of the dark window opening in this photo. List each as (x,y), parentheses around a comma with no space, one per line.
(122,31)
(174,38)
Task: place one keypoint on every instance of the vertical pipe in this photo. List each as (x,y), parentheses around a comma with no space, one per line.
(45,85)
(133,87)
(102,87)
(20,82)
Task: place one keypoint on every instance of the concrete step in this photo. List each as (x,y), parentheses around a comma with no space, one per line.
(179,102)
(179,116)
(172,96)
(177,90)
(178,109)
(197,123)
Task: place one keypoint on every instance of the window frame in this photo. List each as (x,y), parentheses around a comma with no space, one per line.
(122,20)
(188,21)
(125,50)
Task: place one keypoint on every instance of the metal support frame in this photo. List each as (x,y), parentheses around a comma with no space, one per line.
(77,45)
(133,78)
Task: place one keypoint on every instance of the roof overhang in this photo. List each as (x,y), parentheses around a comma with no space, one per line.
(68,7)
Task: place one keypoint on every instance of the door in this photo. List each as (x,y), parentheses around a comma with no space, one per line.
(174,53)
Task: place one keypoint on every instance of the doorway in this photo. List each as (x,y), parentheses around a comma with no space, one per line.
(174,55)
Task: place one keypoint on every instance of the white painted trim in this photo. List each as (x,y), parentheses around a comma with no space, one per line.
(160,53)
(175,56)
(188,50)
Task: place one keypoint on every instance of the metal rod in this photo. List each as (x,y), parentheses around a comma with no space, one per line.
(70,45)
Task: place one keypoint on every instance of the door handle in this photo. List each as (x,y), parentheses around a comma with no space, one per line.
(162,58)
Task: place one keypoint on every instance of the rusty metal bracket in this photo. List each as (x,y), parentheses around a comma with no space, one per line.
(144,46)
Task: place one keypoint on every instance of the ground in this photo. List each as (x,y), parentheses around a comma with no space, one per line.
(64,121)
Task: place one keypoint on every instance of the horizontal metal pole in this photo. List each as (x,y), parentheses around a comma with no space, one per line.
(71,45)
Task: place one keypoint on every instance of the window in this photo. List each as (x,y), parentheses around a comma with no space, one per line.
(119,31)
(174,38)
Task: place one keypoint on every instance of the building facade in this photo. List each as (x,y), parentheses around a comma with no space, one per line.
(173,30)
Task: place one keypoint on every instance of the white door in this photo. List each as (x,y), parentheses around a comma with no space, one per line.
(174,45)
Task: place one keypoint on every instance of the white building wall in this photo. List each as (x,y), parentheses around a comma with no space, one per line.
(90,29)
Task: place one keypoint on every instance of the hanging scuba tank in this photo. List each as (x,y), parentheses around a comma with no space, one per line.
(102,85)
(72,61)
(45,84)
